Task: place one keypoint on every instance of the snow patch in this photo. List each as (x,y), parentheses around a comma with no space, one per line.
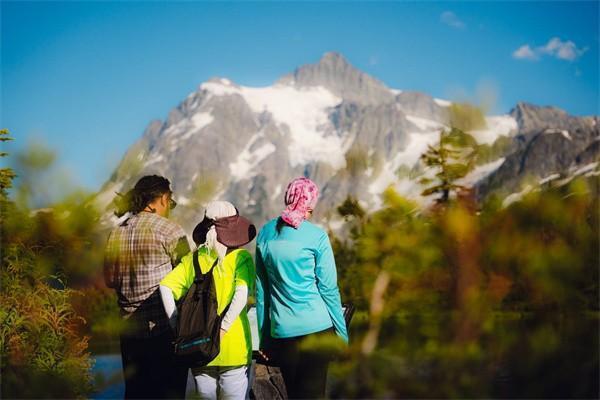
(202,119)
(417,145)
(155,159)
(564,133)
(303,110)
(513,197)
(192,125)
(480,172)
(250,157)
(443,103)
(586,168)
(499,125)
(199,121)
(549,178)
(424,123)
(176,128)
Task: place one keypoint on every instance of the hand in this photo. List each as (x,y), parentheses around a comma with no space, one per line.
(222,333)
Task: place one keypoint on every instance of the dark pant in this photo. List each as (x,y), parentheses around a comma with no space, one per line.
(150,368)
(304,371)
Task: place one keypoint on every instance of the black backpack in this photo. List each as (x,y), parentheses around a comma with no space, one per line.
(198,337)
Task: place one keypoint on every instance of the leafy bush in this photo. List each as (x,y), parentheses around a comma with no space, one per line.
(469,302)
(43,351)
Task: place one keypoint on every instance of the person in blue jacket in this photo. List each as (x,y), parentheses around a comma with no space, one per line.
(296,291)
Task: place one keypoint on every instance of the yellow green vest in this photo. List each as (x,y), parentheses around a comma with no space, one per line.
(237,269)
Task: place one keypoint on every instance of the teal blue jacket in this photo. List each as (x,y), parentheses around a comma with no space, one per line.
(296,285)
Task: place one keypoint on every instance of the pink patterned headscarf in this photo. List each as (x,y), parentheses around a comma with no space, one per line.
(301,195)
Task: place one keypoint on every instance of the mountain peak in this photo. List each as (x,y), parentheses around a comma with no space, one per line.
(335,59)
(530,118)
(335,73)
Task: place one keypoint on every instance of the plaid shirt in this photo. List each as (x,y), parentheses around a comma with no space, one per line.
(139,253)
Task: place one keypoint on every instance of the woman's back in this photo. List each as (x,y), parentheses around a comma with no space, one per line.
(300,270)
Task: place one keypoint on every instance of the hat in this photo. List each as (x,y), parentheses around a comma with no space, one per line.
(233,231)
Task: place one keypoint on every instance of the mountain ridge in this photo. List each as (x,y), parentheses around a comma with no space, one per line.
(346,130)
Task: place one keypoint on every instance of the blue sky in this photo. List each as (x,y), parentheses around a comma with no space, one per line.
(87,77)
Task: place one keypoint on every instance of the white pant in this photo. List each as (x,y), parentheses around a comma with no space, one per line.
(222,383)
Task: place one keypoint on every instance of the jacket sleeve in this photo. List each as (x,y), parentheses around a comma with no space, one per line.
(238,302)
(262,300)
(326,274)
(244,281)
(169,305)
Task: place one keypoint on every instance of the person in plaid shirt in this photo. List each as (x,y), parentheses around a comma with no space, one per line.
(139,253)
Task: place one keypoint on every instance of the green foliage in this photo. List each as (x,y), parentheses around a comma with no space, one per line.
(43,348)
(453,157)
(6,174)
(497,302)
(203,189)
(43,352)
(466,117)
(357,160)
(548,243)
(487,153)
(351,208)
(99,305)
(404,171)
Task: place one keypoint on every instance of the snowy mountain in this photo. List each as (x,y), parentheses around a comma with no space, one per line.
(346,130)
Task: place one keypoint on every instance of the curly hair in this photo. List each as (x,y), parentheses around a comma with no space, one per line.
(143,193)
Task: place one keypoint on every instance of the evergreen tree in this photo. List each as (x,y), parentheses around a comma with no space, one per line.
(453,158)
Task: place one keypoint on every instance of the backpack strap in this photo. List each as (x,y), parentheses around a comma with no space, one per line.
(222,315)
(198,275)
(197,270)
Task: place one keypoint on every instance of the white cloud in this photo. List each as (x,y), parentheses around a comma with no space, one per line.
(450,19)
(525,53)
(555,47)
(563,50)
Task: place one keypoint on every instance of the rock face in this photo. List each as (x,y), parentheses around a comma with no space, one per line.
(342,79)
(531,118)
(337,125)
(551,143)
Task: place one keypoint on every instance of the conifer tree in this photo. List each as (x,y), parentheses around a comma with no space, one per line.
(453,158)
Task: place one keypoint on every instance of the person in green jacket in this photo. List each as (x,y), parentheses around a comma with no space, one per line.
(296,291)
(220,235)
